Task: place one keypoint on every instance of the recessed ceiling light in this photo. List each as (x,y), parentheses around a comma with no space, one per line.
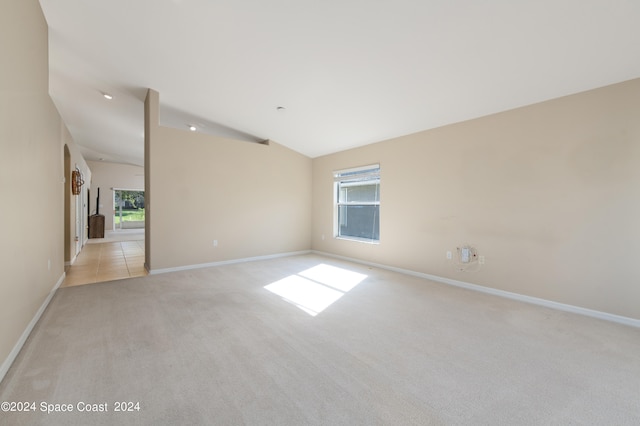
(107,96)
(192,128)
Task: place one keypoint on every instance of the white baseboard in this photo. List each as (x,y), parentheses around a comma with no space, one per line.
(515,296)
(25,334)
(72,261)
(225,262)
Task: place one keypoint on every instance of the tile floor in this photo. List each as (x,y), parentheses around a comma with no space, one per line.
(106,262)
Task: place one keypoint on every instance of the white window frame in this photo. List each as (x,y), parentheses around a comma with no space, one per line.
(340,177)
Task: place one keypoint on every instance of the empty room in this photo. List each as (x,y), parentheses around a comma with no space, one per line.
(319,213)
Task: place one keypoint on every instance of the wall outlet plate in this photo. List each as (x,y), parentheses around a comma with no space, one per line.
(465,255)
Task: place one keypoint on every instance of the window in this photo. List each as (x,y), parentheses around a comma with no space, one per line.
(357,203)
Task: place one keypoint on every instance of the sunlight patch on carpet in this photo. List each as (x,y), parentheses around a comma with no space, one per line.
(315,289)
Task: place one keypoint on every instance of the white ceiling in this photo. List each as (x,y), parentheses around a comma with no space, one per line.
(348,72)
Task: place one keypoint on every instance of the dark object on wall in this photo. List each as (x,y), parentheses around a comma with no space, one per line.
(98,202)
(76,181)
(96,221)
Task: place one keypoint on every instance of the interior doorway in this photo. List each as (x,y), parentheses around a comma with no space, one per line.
(79,237)
(67,206)
(129,209)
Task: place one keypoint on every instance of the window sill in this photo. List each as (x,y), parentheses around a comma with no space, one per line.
(358,240)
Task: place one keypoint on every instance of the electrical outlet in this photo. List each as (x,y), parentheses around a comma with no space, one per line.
(449,255)
(481,260)
(215,243)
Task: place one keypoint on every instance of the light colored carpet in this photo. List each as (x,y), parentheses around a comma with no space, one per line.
(214,346)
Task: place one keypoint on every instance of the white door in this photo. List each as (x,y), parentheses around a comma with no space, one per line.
(78,223)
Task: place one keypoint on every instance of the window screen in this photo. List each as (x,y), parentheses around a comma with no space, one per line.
(357,203)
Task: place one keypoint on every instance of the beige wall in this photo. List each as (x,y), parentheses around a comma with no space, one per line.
(32,138)
(106,176)
(253,199)
(547,193)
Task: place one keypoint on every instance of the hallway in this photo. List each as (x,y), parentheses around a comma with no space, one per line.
(98,262)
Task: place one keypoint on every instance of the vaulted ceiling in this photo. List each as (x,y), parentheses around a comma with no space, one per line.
(345,72)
